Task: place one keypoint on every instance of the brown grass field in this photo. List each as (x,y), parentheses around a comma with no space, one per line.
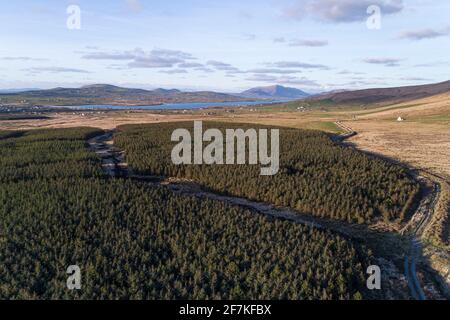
(421,141)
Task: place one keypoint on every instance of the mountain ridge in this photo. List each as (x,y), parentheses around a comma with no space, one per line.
(274,92)
(384,95)
(114,95)
(107,94)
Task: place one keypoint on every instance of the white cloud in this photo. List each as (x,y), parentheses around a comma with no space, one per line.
(387,62)
(286,80)
(422,34)
(279,40)
(296,64)
(23,59)
(174,71)
(134,5)
(55,70)
(340,10)
(249,36)
(308,43)
(190,65)
(273,70)
(219,65)
(414,79)
(138,58)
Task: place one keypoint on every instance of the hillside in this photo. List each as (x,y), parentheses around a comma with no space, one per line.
(113,95)
(384,95)
(435,107)
(274,92)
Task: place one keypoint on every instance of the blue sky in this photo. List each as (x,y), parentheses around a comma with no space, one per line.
(315,45)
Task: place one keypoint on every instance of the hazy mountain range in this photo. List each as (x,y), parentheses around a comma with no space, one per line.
(113,95)
(104,94)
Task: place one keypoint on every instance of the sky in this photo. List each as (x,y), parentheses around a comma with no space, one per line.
(228,46)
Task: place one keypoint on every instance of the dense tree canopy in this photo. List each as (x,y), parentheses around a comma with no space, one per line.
(316,175)
(136,241)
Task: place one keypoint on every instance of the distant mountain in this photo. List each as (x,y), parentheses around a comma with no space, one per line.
(112,95)
(384,95)
(16,90)
(276,92)
(166,91)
